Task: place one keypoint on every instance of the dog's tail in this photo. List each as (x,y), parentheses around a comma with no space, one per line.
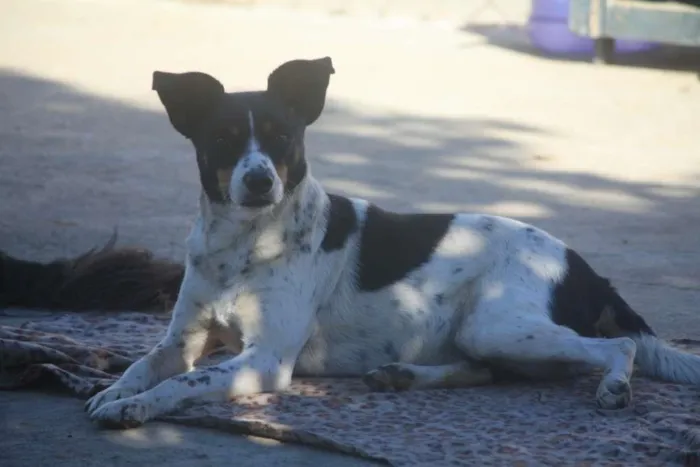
(108,278)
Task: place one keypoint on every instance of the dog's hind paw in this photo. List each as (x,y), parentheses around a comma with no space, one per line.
(614,394)
(391,377)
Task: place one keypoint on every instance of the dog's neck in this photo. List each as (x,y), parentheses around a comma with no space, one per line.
(264,236)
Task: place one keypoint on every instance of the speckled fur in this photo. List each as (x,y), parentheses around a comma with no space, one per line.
(260,281)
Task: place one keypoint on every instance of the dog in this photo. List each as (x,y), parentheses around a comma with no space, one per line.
(297,281)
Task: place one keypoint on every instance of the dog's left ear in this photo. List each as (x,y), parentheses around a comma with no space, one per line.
(301,85)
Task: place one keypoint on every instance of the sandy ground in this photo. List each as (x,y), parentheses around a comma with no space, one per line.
(420,117)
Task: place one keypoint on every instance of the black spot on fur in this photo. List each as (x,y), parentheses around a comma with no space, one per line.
(362,357)
(487,224)
(305,248)
(578,302)
(395,303)
(457,270)
(300,237)
(439,299)
(529,337)
(222,266)
(534,236)
(191,383)
(441,325)
(393,245)
(342,222)
(391,351)
(205,379)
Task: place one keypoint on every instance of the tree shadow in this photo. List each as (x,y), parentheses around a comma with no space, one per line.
(514,37)
(76,165)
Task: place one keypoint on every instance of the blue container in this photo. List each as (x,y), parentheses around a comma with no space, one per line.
(548,29)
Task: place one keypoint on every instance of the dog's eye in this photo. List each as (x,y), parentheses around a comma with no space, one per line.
(221,142)
(283,138)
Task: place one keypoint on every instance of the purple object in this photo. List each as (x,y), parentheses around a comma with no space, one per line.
(548,28)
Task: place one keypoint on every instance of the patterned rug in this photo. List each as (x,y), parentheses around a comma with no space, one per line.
(508,424)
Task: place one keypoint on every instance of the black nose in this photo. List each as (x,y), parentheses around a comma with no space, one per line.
(258,182)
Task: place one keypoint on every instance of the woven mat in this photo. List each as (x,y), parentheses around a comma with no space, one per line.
(513,424)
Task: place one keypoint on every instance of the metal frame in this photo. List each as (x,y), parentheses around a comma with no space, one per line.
(608,20)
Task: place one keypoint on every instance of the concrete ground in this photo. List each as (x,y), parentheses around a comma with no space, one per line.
(420,116)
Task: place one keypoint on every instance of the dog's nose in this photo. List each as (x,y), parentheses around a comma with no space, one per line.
(258,182)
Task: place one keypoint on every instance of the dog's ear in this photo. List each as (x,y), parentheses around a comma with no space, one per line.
(301,85)
(187,97)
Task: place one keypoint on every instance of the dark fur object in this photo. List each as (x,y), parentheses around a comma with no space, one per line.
(108,279)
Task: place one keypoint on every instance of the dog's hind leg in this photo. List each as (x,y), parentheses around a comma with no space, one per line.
(404,376)
(521,336)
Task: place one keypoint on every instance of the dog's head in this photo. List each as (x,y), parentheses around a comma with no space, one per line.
(249,145)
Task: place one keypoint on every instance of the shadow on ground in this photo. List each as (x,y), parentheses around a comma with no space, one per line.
(76,165)
(60,421)
(514,37)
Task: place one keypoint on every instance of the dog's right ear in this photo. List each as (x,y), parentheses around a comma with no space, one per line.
(187,97)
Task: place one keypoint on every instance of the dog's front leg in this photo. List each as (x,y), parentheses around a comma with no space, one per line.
(186,340)
(274,335)
(250,372)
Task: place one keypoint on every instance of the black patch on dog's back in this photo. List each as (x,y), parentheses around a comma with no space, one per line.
(342,222)
(393,245)
(590,305)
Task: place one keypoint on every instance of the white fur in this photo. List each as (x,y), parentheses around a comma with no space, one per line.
(291,310)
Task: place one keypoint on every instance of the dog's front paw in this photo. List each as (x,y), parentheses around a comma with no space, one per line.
(394,376)
(113,393)
(124,413)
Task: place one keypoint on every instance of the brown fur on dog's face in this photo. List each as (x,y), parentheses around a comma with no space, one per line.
(223,178)
(250,145)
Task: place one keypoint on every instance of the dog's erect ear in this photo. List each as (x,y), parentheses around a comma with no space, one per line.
(301,85)
(187,97)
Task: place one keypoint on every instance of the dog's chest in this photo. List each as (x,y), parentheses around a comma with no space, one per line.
(223,256)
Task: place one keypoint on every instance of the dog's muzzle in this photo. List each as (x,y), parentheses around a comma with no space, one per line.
(258,184)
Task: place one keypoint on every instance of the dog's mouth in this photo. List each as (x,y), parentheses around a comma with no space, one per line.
(256,202)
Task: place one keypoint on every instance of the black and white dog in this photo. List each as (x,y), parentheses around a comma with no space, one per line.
(300,282)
